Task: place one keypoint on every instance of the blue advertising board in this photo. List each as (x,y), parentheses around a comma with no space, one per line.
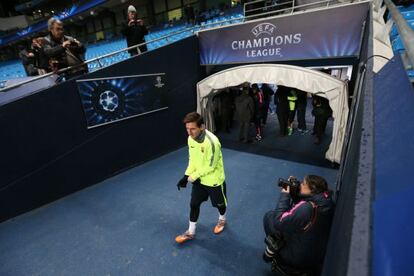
(108,100)
(327,33)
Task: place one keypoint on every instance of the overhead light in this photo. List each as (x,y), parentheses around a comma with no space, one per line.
(92,12)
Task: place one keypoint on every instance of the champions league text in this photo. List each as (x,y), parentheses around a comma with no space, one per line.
(262,47)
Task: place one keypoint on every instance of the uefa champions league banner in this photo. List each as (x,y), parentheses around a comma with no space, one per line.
(108,100)
(333,32)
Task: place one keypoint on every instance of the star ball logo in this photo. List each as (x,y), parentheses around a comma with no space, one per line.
(109,101)
(266,42)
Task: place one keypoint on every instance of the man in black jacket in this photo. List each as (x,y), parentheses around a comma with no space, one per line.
(62,50)
(134,31)
(302,102)
(259,107)
(267,94)
(297,230)
(282,108)
(244,112)
(322,112)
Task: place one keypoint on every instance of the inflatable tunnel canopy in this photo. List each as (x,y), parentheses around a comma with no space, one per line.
(312,81)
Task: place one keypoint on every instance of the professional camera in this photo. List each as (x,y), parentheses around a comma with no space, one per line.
(294,185)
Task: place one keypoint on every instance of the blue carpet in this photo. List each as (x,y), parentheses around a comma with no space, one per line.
(126,225)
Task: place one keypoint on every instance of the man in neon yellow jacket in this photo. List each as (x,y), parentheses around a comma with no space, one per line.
(205,170)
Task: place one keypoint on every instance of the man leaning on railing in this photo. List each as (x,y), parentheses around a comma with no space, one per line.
(63,51)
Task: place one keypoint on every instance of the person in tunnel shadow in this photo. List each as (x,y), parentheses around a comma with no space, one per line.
(282,108)
(244,113)
(322,112)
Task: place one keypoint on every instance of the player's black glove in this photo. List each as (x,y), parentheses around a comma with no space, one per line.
(182,183)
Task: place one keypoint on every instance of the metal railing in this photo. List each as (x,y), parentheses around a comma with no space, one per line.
(406,33)
(284,8)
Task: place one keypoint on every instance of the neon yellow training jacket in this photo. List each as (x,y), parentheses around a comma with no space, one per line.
(206,160)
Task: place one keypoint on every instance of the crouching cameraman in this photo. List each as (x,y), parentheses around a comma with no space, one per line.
(297,230)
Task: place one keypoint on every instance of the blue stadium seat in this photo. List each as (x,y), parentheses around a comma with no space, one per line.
(394,30)
(397,45)
(406,9)
(408,15)
(11,70)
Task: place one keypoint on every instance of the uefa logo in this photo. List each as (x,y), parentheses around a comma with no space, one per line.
(263,28)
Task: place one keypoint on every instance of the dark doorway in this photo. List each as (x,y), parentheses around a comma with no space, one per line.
(297,147)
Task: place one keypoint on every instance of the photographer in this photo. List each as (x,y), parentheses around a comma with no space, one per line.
(63,51)
(297,230)
(134,31)
(41,61)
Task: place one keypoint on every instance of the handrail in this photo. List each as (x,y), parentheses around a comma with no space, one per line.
(266,7)
(406,33)
(292,8)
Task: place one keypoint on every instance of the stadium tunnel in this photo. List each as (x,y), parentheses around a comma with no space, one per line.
(304,79)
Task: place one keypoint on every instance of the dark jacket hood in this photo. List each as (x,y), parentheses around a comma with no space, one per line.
(324,201)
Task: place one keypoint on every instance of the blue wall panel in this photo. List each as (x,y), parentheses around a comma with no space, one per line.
(394,158)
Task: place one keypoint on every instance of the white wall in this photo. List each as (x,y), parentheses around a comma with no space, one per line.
(7,23)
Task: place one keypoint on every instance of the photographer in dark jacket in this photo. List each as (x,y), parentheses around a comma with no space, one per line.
(134,31)
(62,50)
(297,231)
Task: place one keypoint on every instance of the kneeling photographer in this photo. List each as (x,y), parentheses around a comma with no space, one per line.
(297,231)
